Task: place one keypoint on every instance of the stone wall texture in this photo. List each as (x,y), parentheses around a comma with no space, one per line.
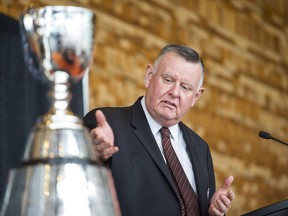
(244,44)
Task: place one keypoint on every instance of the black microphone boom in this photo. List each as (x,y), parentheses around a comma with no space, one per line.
(266,135)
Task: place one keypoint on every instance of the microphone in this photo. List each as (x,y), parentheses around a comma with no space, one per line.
(266,135)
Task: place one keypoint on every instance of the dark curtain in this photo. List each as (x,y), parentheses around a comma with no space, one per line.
(22,99)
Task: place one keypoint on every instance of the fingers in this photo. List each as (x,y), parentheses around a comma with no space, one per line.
(213,211)
(222,205)
(100,135)
(104,152)
(227,182)
(231,195)
(222,199)
(224,202)
(103,145)
(103,138)
(100,118)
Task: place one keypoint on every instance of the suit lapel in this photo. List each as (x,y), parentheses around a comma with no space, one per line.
(197,157)
(146,138)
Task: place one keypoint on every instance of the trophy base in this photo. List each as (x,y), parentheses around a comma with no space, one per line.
(57,190)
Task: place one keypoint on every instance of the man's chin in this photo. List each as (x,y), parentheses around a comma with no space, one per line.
(168,118)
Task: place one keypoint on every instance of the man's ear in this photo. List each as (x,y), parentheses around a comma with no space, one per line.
(148,75)
(197,96)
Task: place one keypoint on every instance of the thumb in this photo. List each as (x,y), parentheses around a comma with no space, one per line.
(227,183)
(100,118)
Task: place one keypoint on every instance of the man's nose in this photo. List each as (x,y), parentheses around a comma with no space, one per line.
(175,90)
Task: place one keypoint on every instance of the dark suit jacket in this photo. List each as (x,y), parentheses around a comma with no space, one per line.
(143,184)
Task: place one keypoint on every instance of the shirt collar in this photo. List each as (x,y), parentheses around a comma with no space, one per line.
(155,126)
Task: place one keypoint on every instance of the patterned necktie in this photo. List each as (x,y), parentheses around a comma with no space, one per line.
(186,195)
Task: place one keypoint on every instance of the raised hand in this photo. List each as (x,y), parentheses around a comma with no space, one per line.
(222,199)
(103,138)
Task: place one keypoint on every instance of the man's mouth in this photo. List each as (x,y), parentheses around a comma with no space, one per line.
(169,103)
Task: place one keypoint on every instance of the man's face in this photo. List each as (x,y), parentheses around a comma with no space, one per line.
(172,88)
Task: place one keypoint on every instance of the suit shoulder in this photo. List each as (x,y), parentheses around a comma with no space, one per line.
(89,119)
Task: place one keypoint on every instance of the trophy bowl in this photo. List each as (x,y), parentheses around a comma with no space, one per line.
(59,38)
(59,173)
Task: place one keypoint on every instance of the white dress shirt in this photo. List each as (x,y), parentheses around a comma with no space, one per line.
(177,141)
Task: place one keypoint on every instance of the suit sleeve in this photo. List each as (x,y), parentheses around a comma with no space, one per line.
(89,119)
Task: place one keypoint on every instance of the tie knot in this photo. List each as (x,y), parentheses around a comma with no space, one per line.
(165,132)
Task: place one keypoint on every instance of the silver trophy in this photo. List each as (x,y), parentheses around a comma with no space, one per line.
(59,173)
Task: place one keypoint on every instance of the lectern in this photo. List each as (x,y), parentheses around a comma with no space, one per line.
(276,209)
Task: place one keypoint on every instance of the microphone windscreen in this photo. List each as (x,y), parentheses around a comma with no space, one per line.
(264,135)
